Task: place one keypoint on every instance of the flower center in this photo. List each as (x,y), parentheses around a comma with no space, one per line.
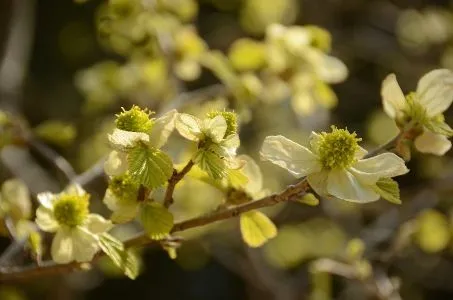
(337,148)
(71,210)
(135,119)
(124,188)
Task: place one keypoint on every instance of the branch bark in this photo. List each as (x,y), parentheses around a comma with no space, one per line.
(173,181)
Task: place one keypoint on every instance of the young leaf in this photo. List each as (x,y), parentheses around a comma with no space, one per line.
(156,220)
(124,259)
(309,199)
(211,162)
(149,166)
(388,189)
(256,228)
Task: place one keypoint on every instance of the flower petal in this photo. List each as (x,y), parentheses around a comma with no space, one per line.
(62,249)
(122,140)
(116,163)
(435,91)
(46,199)
(433,143)
(393,99)
(318,182)
(383,165)
(97,224)
(251,169)
(85,244)
(215,128)
(303,103)
(188,126)
(162,128)
(75,189)
(45,219)
(289,155)
(344,185)
(231,143)
(331,69)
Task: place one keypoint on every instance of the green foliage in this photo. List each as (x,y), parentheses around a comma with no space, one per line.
(149,166)
(125,259)
(156,220)
(57,133)
(388,189)
(256,228)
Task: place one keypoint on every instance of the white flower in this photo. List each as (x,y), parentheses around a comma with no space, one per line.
(76,230)
(298,49)
(334,164)
(433,96)
(217,143)
(122,141)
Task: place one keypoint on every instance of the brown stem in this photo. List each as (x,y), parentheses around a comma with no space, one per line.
(173,181)
(51,268)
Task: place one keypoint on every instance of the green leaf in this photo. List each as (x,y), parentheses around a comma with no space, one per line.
(256,228)
(56,132)
(156,220)
(309,199)
(210,162)
(438,126)
(124,259)
(388,189)
(149,166)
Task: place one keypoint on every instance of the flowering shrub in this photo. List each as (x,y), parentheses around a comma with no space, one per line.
(185,160)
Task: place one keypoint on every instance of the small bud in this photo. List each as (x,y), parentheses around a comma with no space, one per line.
(135,119)
(337,149)
(124,187)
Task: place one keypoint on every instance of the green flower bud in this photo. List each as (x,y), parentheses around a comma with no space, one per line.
(124,188)
(338,148)
(135,119)
(71,210)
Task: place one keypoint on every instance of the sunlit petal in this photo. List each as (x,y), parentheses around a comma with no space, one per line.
(432,143)
(344,185)
(289,155)
(393,99)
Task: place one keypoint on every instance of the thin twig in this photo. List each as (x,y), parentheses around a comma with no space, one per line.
(90,175)
(50,268)
(13,66)
(390,145)
(173,181)
(53,157)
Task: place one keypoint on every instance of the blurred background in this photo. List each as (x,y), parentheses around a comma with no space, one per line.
(65,73)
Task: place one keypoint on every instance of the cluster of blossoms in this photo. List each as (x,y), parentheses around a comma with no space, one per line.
(422,109)
(292,62)
(333,164)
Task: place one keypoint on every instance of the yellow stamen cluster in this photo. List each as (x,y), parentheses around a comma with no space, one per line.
(71,210)
(230,118)
(135,119)
(124,188)
(337,149)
